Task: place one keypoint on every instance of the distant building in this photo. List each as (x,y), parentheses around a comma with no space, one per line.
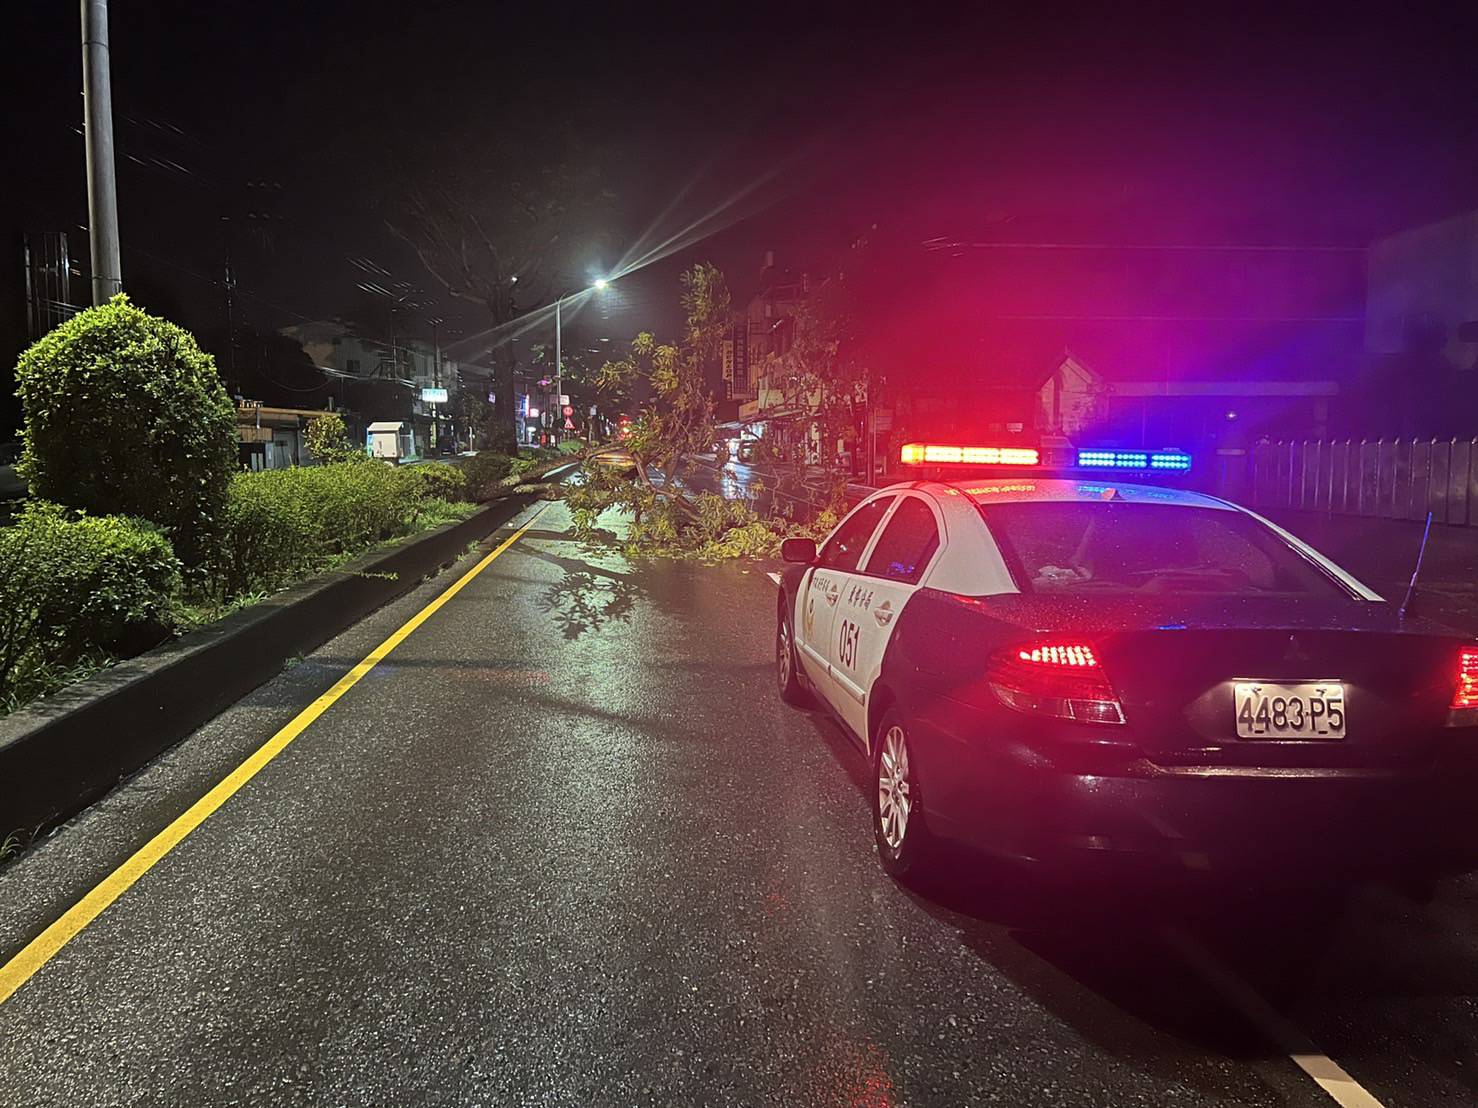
(1421,330)
(418,383)
(766,328)
(1423,289)
(273,438)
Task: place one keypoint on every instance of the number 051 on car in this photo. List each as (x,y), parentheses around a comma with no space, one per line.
(1267,711)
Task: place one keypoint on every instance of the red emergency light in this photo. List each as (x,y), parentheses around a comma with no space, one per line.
(919,453)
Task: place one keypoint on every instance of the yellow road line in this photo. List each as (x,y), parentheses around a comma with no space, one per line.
(44,947)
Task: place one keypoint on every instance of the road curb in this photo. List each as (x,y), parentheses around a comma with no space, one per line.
(64,753)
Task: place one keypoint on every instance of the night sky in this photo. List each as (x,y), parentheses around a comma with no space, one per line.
(1146,125)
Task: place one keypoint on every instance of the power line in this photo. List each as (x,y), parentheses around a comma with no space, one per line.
(281,308)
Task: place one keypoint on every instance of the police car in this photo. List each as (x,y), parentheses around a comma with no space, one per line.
(1059,665)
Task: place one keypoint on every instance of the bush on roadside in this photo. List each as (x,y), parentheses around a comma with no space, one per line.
(77,587)
(285,524)
(533,457)
(328,440)
(442,480)
(126,415)
(483,471)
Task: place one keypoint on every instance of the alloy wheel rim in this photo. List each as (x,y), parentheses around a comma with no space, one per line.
(894,801)
(784,659)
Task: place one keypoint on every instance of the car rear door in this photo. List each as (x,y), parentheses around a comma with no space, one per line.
(821,590)
(872,599)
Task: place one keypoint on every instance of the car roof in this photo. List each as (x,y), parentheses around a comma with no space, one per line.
(1003,490)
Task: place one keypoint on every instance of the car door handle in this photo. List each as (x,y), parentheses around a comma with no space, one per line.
(883,614)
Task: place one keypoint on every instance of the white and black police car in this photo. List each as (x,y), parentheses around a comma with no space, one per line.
(1059,665)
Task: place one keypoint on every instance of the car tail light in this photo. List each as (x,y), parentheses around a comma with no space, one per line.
(1062,679)
(1465,694)
(920,453)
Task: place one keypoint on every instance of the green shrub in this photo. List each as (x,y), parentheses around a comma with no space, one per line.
(434,513)
(125,415)
(442,480)
(328,440)
(483,472)
(75,587)
(285,524)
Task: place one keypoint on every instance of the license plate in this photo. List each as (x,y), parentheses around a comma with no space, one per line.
(1267,711)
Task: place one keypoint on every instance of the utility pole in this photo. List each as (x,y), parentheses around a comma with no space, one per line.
(102,186)
(436,384)
(558,361)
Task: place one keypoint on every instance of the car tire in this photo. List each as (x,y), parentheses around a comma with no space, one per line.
(905,846)
(788,676)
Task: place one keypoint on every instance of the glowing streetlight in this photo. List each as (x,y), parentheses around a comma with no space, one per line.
(599,285)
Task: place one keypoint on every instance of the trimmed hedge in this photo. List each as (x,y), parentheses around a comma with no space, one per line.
(76,587)
(285,524)
(442,480)
(483,471)
(125,415)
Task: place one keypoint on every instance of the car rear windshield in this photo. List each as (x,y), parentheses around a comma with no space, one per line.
(1117,546)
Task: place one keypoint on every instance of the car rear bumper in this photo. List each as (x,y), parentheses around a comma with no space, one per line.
(1017,802)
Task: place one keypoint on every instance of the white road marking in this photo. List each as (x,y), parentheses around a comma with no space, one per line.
(774,577)
(1328,1074)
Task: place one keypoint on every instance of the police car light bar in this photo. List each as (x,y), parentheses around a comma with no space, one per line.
(918,453)
(1134,459)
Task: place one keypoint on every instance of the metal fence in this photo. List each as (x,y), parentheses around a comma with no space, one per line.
(1397,479)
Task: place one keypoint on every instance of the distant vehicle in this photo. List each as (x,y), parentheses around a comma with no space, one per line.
(746,450)
(619,459)
(1073,670)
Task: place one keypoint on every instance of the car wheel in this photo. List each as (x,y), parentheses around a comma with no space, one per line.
(904,844)
(788,676)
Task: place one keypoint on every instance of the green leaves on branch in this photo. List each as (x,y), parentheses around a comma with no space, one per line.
(677,420)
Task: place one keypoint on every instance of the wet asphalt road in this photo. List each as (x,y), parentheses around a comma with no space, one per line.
(565,846)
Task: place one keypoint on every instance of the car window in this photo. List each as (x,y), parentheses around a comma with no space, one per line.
(1102,546)
(844,549)
(906,544)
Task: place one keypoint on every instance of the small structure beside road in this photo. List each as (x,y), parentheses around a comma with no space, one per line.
(273,438)
(391,440)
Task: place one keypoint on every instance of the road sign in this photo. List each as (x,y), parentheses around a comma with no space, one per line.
(434,396)
(569,411)
(569,424)
(564,399)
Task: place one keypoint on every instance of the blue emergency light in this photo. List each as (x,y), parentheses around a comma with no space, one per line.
(1134,459)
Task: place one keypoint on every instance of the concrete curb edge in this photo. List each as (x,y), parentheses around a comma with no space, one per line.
(64,753)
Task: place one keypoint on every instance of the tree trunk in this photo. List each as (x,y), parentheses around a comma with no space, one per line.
(506,418)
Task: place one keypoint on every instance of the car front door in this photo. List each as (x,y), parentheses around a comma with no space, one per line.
(872,599)
(821,590)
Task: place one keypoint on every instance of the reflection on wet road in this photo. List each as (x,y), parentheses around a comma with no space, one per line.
(565,846)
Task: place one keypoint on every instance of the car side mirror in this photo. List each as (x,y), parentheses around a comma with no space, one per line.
(798,550)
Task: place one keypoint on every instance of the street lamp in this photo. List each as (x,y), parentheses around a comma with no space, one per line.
(599,285)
